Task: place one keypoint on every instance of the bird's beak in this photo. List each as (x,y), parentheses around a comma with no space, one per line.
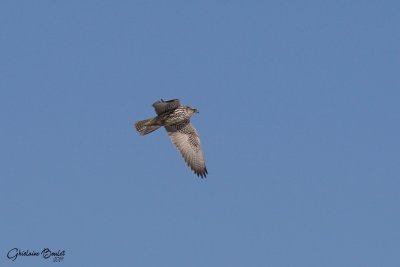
(197,111)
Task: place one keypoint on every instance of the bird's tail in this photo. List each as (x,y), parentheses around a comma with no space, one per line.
(147,126)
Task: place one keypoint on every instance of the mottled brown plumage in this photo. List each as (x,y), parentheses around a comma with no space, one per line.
(176,120)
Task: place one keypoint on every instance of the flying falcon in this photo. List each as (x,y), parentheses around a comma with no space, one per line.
(176,120)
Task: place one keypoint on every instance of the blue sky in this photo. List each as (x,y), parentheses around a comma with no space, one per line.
(299,122)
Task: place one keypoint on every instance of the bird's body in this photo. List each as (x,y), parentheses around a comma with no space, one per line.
(176,120)
(171,117)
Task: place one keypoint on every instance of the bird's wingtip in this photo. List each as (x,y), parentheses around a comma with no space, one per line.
(202,174)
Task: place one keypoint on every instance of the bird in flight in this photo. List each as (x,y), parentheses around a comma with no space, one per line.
(175,118)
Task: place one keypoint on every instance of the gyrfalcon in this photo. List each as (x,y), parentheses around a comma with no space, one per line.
(176,120)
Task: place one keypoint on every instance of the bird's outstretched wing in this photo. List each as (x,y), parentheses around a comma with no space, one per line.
(186,139)
(163,106)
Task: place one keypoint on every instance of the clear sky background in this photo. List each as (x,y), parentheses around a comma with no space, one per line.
(299,122)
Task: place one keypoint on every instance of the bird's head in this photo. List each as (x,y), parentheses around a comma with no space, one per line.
(191,110)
